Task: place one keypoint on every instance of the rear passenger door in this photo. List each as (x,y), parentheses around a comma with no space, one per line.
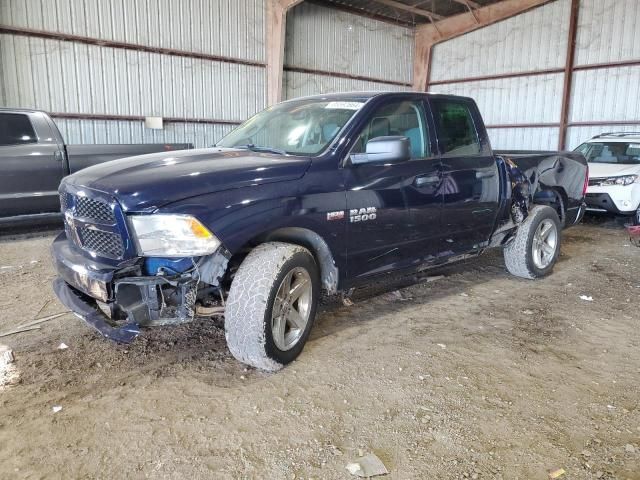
(470,180)
(31,165)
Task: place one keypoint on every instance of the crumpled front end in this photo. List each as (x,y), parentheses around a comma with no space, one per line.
(103,281)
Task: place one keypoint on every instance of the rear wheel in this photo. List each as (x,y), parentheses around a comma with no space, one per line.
(536,246)
(271,305)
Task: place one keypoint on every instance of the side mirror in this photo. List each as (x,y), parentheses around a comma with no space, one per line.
(392,149)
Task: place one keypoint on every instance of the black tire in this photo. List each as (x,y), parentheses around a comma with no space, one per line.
(519,252)
(248,312)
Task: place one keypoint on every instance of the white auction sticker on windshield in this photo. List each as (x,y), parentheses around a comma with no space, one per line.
(344,105)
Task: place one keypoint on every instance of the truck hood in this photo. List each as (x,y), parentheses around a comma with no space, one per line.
(147,182)
(599,170)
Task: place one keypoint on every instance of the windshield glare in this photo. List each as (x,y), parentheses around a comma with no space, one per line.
(301,128)
(624,153)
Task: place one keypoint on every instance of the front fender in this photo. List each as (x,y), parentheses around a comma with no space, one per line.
(240,216)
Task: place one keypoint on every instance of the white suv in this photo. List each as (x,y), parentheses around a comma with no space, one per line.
(614,172)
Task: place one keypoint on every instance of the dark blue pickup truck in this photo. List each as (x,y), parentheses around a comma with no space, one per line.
(315,194)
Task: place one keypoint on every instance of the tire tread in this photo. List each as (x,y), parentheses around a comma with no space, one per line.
(247,302)
(517,252)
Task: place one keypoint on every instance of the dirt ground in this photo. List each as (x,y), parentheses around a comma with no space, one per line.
(474,375)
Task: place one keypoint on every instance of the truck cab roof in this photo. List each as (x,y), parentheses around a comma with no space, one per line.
(364,96)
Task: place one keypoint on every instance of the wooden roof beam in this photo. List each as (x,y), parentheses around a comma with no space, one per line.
(468,3)
(430,34)
(408,8)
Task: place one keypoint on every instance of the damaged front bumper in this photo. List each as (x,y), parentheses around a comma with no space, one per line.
(117,300)
(87,309)
(81,283)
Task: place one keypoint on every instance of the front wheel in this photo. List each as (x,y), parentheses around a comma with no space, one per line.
(536,246)
(271,305)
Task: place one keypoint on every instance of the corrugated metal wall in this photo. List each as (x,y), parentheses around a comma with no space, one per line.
(324,41)
(535,40)
(203,26)
(74,77)
(298,84)
(607,31)
(513,100)
(122,131)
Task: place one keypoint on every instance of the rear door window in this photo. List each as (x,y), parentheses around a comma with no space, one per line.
(456,130)
(16,129)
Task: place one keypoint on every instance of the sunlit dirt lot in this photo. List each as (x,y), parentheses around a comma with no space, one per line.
(473,375)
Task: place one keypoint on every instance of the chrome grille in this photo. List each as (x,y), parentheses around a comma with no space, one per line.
(94,210)
(64,201)
(94,222)
(101,242)
(69,232)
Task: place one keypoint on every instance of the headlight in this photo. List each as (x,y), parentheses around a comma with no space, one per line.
(164,235)
(624,180)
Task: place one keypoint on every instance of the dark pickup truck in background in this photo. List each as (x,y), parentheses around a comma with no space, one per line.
(34,159)
(319,193)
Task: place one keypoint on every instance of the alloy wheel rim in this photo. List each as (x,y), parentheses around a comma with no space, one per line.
(545,242)
(291,309)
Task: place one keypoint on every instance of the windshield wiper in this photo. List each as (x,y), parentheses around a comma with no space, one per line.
(258,148)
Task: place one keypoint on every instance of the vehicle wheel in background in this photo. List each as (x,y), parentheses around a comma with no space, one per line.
(536,246)
(271,305)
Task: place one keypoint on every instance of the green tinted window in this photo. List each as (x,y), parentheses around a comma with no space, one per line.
(457,132)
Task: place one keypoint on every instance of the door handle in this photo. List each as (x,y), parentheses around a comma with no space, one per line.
(423,180)
(58,156)
(488,174)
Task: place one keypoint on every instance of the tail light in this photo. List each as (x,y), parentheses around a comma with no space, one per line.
(586,183)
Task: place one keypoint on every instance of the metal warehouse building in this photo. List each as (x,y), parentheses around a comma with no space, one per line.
(545,74)
(320,239)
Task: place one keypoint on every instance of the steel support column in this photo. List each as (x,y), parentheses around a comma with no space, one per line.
(568,74)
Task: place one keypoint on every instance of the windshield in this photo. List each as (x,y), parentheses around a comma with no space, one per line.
(304,127)
(623,153)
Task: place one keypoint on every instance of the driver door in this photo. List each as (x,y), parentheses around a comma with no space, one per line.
(385,200)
